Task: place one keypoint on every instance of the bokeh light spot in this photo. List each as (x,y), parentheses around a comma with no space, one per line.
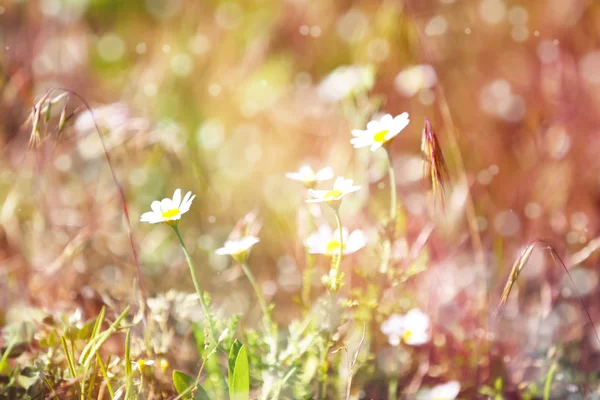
(492,11)
(110,47)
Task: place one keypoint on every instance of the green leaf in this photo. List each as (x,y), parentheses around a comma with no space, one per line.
(129,384)
(233,354)
(184,385)
(94,344)
(198,332)
(239,380)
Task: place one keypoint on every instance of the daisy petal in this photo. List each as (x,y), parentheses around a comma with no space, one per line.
(360,142)
(325,174)
(418,338)
(390,135)
(373,126)
(356,241)
(222,251)
(185,205)
(165,204)
(155,206)
(317,193)
(176,202)
(147,216)
(386,119)
(394,340)
(294,176)
(376,146)
(339,184)
(186,198)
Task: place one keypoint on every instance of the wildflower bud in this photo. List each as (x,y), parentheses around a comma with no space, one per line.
(223,335)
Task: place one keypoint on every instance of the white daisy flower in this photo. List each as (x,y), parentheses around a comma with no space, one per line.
(379,132)
(393,327)
(345,81)
(168,210)
(140,364)
(341,187)
(446,391)
(416,328)
(309,177)
(324,241)
(238,248)
(412,328)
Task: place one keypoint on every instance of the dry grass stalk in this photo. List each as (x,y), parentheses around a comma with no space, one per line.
(518,266)
(434,165)
(43,108)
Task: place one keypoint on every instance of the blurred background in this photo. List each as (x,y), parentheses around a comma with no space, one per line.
(223,97)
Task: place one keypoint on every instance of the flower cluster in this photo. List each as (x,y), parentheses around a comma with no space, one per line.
(170,211)
(412,328)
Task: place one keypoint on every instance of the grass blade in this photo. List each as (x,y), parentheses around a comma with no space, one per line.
(128,368)
(94,345)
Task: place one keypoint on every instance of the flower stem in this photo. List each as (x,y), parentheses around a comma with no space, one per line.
(338,262)
(387,243)
(261,299)
(207,316)
(270,328)
(309,263)
(393,389)
(307,278)
(393,200)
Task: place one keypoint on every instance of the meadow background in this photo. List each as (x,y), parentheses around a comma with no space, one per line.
(222,98)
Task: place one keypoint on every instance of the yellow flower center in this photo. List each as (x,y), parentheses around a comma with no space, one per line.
(407,335)
(170,213)
(333,246)
(380,136)
(332,194)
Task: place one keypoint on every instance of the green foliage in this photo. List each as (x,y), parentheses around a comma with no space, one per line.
(186,385)
(128,368)
(493,392)
(239,372)
(233,353)
(199,339)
